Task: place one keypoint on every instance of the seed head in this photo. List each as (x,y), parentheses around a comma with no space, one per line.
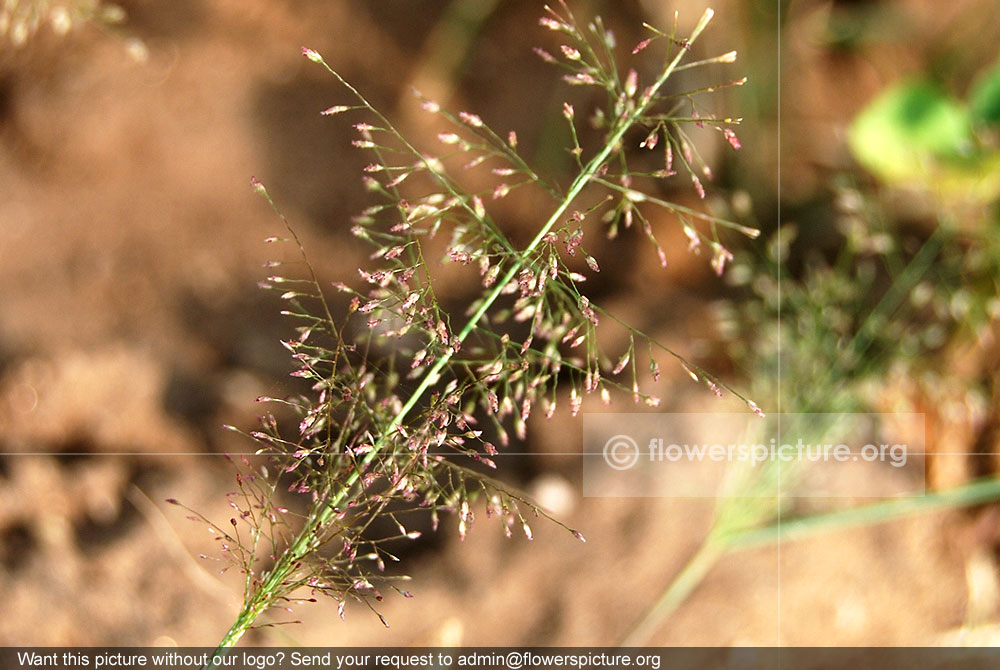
(570,53)
(622,362)
(544,55)
(471,119)
(580,79)
(731,137)
(641,45)
(574,402)
(631,84)
(720,256)
(651,140)
(698,187)
(552,24)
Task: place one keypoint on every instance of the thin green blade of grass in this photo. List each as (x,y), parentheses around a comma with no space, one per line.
(715,547)
(977,493)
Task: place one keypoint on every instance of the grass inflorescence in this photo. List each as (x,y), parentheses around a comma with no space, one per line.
(409,402)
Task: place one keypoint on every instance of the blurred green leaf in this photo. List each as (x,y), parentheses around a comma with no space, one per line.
(984,100)
(909,131)
(914,134)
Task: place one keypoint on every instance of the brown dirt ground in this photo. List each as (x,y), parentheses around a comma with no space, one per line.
(130,246)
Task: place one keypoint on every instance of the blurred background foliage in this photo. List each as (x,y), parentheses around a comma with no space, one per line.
(878,286)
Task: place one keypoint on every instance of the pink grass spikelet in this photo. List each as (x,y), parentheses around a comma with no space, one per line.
(651,140)
(698,187)
(552,24)
(398,180)
(731,137)
(442,331)
(570,53)
(662,255)
(694,240)
(580,79)
(622,362)
(544,55)
(641,45)
(471,119)
(587,310)
(631,83)
(720,257)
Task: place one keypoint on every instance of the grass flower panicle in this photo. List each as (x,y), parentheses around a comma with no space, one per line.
(406,399)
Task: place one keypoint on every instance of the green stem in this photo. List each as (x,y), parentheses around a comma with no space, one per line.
(306,541)
(716,547)
(680,588)
(976,493)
